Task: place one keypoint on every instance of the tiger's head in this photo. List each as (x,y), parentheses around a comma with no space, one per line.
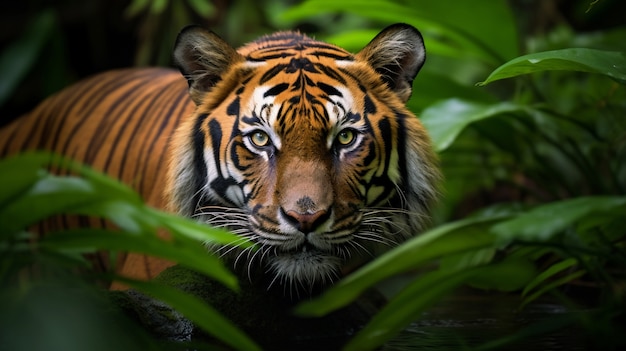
(303,149)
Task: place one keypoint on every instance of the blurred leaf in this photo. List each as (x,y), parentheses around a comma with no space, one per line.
(203,8)
(50,195)
(128,216)
(548,273)
(90,240)
(352,40)
(191,229)
(508,275)
(447,239)
(544,221)
(158,6)
(18,174)
(553,284)
(198,312)
(609,63)
(467,260)
(447,119)
(17,59)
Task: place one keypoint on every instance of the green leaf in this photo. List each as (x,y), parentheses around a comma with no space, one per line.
(18,174)
(447,119)
(508,275)
(48,196)
(105,184)
(447,239)
(158,6)
(191,255)
(130,217)
(198,312)
(609,63)
(548,273)
(32,194)
(180,226)
(203,8)
(544,221)
(467,260)
(553,284)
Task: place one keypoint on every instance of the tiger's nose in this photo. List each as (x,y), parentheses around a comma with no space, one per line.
(306,222)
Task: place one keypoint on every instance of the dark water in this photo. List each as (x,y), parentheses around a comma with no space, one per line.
(470,319)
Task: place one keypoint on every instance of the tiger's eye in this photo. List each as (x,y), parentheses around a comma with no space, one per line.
(260,138)
(346,137)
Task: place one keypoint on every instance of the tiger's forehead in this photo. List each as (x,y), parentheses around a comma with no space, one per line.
(289,44)
(328,110)
(294,78)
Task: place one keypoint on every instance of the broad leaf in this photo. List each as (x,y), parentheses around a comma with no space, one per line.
(193,256)
(544,221)
(203,233)
(447,119)
(18,174)
(551,285)
(609,63)
(49,196)
(549,273)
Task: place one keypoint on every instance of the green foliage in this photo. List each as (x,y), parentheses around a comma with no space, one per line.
(612,64)
(31,194)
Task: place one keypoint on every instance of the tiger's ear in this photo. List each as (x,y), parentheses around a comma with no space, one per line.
(397,53)
(202,57)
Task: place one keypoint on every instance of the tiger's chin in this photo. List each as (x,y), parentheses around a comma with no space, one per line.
(304,268)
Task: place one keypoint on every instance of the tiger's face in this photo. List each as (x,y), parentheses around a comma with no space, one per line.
(303,149)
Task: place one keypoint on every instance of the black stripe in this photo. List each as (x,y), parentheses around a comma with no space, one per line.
(271,73)
(332,73)
(368,105)
(329,89)
(338,56)
(279,88)
(199,167)
(385,130)
(233,108)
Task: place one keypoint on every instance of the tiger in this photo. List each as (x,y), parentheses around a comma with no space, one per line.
(299,147)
